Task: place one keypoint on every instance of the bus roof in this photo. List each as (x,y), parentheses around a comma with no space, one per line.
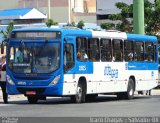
(94,34)
(79,32)
(109,34)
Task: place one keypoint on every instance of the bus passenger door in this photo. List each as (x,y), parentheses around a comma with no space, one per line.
(68,53)
(69,65)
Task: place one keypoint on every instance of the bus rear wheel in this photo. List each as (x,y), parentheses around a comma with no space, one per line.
(80,94)
(32,99)
(130,90)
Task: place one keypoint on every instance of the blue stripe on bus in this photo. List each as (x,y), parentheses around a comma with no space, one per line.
(141,66)
(82,68)
(141,37)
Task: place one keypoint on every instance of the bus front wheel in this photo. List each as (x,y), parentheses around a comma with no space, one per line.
(80,94)
(32,99)
(130,90)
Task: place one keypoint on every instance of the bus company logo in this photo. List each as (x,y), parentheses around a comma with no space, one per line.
(82,68)
(108,71)
(21,83)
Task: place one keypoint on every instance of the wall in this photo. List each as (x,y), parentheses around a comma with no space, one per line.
(5,5)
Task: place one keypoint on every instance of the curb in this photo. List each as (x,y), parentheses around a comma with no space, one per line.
(155,92)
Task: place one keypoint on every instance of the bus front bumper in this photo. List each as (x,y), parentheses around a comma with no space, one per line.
(38,90)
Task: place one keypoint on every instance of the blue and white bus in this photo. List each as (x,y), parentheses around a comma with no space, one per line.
(80,63)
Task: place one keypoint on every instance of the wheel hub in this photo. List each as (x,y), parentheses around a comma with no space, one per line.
(79,93)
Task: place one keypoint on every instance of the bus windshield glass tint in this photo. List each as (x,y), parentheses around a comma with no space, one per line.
(34,57)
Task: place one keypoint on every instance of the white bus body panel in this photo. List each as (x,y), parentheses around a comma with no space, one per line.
(111,35)
(111,77)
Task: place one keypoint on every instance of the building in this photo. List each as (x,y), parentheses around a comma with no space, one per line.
(61,11)
(21,16)
(107,7)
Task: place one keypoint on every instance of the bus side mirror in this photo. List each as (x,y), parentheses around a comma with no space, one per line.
(2,48)
(4,43)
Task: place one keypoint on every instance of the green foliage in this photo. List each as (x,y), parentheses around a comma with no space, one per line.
(6,33)
(50,22)
(125,24)
(115,17)
(107,26)
(80,24)
(152,17)
(71,24)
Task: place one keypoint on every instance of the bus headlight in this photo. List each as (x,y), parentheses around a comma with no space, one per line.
(9,80)
(55,80)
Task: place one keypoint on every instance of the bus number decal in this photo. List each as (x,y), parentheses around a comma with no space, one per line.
(108,71)
(82,68)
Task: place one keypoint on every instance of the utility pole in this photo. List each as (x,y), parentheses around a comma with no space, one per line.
(37,4)
(24,4)
(49,9)
(69,11)
(138,16)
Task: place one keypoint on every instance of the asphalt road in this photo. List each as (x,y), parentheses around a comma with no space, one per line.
(103,106)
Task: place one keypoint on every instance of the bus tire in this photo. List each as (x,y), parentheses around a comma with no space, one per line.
(32,99)
(80,94)
(130,90)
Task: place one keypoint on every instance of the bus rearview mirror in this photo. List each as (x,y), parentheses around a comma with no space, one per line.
(2,48)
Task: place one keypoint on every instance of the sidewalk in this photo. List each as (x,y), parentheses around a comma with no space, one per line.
(13,97)
(154,92)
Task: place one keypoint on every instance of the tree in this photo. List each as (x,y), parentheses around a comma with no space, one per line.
(80,24)
(126,11)
(73,24)
(6,33)
(151,13)
(50,22)
(107,26)
(152,17)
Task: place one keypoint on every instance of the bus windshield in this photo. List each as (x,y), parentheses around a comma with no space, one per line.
(34,57)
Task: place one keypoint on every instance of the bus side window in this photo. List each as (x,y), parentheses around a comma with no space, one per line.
(149,52)
(93,49)
(106,50)
(139,51)
(81,47)
(68,56)
(128,50)
(117,50)
(155,53)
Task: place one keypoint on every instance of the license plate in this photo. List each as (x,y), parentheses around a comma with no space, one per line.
(30,93)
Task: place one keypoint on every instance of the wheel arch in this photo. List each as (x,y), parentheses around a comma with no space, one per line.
(134,81)
(83,81)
